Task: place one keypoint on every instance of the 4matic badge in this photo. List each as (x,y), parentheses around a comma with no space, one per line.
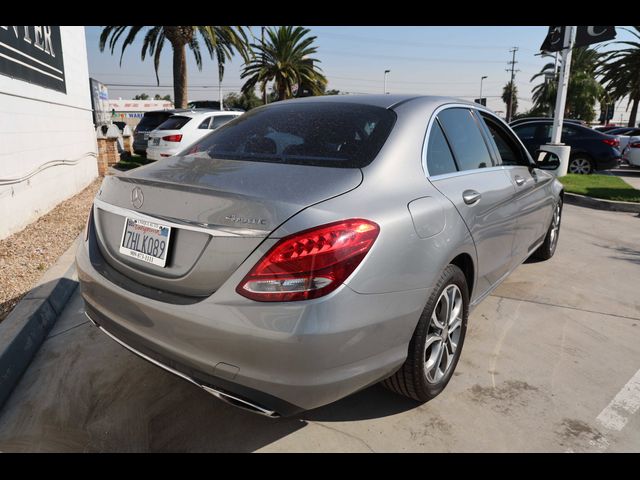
(243,220)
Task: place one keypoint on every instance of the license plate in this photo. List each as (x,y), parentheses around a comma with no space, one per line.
(146,241)
(155,141)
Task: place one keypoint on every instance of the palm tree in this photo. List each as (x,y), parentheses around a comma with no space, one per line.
(220,42)
(620,72)
(583,89)
(510,98)
(284,58)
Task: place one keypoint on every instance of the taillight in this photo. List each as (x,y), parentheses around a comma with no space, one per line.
(634,145)
(172,138)
(311,263)
(614,142)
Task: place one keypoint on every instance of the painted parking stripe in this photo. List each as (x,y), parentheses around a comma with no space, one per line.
(627,402)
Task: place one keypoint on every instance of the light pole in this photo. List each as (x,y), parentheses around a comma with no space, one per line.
(264,93)
(481,79)
(385,80)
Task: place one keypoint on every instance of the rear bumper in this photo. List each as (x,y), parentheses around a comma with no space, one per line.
(158,153)
(281,357)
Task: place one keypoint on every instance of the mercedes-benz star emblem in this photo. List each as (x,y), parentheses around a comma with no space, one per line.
(137,198)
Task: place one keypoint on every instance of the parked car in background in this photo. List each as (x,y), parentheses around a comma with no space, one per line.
(631,153)
(316,246)
(606,128)
(590,150)
(149,121)
(181,130)
(624,134)
(529,119)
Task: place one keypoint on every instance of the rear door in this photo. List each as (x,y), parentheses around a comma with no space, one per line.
(533,204)
(461,166)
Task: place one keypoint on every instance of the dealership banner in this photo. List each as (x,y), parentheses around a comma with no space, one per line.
(585,35)
(33,54)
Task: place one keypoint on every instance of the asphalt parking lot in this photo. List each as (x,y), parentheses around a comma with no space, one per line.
(551,363)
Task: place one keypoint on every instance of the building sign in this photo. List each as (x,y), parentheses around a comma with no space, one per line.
(33,54)
(99,102)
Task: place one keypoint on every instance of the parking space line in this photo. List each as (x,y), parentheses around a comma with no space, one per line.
(566,306)
(627,402)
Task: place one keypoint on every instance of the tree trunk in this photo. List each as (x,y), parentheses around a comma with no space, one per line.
(634,112)
(180,75)
(282,91)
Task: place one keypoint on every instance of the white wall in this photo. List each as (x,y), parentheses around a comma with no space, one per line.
(40,125)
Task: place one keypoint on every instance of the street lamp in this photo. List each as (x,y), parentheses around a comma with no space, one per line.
(385,80)
(481,79)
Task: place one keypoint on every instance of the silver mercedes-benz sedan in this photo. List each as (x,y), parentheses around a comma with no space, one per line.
(314,247)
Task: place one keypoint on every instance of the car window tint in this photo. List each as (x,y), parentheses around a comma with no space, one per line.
(525,132)
(439,157)
(510,151)
(205,123)
(568,132)
(174,123)
(332,134)
(462,131)
(220,120)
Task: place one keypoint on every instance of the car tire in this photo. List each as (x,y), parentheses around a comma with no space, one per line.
(580,164)
(422,376)
(548,247)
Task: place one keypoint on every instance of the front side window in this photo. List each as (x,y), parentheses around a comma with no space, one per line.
(510,151)
(467,143)
(439,157)
(333,134)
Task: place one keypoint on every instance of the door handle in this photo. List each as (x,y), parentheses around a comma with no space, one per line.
(470,196)
(519,180)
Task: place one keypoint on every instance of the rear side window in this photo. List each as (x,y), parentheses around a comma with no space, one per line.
(463,133)
(439,158)
(347,135)
(174,123)
(151,121)
(220,120)
(526,132)
(205,123)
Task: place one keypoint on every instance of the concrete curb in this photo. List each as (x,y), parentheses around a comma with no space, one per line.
(600,204)
(28,324)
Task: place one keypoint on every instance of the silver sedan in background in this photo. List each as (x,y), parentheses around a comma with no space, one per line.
(313,247)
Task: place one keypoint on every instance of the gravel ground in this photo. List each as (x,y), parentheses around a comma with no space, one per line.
(26,255)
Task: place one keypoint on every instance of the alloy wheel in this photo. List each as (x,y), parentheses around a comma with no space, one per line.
(555,226)
(580,165)
(443,334)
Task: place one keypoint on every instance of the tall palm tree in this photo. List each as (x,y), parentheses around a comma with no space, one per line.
(284,58)
(620,72)
(220,42)
(510,98)
(583,88)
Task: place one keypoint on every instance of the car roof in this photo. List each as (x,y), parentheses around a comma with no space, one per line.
(377,100)
(203,112)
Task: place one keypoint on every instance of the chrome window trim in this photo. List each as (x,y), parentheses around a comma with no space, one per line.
(477,108)
(209,229)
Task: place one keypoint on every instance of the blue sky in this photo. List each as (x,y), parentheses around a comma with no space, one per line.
(423,60)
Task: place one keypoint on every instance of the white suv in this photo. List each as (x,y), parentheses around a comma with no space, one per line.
(181,130)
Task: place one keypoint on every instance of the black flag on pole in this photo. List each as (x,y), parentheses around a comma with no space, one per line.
(585,35)
(554,40)
(588,35)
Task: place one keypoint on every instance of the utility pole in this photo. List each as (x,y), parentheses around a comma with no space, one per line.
(513,76)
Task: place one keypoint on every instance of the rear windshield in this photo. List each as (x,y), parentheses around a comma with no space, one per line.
(174,123)
(323,134)
(151,121)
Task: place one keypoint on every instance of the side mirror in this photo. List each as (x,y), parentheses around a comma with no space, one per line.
(546,160)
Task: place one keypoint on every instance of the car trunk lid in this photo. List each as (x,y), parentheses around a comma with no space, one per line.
(219,211)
